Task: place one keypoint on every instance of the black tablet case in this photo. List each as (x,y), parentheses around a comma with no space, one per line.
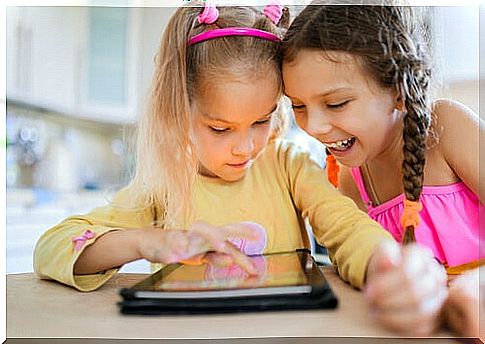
(319,298)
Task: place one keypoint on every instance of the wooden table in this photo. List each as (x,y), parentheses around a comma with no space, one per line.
(39,308)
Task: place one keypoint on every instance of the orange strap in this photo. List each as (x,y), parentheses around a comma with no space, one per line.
(410,215)
(459,269)
(195,260)
(332,169)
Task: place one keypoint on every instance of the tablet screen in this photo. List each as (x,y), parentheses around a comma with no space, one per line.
(285,281)
(274,271)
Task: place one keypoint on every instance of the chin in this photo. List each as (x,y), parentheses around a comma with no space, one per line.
(233,177)
(353,160)
(353,164)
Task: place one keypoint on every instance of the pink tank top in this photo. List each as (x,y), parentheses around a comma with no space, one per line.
(449,223)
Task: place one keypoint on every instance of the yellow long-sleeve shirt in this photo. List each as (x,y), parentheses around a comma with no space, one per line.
(283,186)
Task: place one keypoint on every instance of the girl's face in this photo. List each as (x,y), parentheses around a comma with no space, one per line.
(232,126)
(342,107)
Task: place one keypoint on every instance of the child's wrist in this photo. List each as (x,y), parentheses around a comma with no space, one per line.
(150,243)
(139,238)
(130,242)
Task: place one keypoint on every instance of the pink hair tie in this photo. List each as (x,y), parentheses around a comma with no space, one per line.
(81,240)
(274,11)
(209,14)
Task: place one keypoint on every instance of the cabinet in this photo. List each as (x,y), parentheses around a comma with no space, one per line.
(79,61)
(41,47)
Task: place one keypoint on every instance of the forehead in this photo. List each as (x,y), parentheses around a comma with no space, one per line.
(238,101)
(313,68)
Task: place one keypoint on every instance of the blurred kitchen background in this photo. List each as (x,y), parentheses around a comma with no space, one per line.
(77,78)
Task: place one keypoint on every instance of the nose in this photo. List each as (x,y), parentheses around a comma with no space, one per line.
(317,123)
(244,145)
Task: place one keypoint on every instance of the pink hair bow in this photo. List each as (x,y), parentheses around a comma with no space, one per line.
(81,240)
(274,11)
(209,14)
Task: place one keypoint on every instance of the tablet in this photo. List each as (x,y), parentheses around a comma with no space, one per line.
(290,280)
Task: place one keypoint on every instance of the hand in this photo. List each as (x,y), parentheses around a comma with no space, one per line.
(461,307)
(405,288)
(250,246)
(170,246)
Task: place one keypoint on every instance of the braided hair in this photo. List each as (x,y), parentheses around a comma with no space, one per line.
(390,44)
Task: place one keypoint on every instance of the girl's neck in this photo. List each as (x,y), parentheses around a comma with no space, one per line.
(382,174)
(391,156)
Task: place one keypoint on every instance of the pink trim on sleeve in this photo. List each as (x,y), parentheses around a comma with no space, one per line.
(79,241)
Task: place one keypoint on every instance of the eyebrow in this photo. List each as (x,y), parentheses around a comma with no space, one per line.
(212,118)
(327,93)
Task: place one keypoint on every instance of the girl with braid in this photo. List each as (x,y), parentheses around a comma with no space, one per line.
(358,78)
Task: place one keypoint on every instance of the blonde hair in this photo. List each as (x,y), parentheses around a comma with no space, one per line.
(166,163)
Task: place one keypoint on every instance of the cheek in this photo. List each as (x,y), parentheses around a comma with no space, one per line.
(374,135)
(262,136)
(206,145)
(212,147)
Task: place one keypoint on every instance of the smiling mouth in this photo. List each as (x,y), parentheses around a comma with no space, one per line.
(341,145)
(241,164)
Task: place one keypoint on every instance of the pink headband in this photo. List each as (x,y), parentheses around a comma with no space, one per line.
(210,14)
(232,31)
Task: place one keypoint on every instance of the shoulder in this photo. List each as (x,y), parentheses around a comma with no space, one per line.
(448,115)
(452,123)
(459,132)
(289,152)
(122,197)
(129,199)
(283,146)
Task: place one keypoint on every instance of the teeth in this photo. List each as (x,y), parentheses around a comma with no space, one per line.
(340,144)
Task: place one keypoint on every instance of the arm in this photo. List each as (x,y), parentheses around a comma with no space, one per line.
(121,235)
(460,134)
(164,246)
(111,250)
(349,234)
(55,255)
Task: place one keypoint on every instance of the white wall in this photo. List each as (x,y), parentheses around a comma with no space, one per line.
(456,53)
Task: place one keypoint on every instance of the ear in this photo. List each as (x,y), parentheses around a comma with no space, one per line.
(399,100)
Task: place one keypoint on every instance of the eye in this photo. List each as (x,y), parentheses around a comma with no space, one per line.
(264,121)
(338,105)
(297,107)
(218,130)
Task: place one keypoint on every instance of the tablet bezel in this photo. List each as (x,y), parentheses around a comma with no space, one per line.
(316,284)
